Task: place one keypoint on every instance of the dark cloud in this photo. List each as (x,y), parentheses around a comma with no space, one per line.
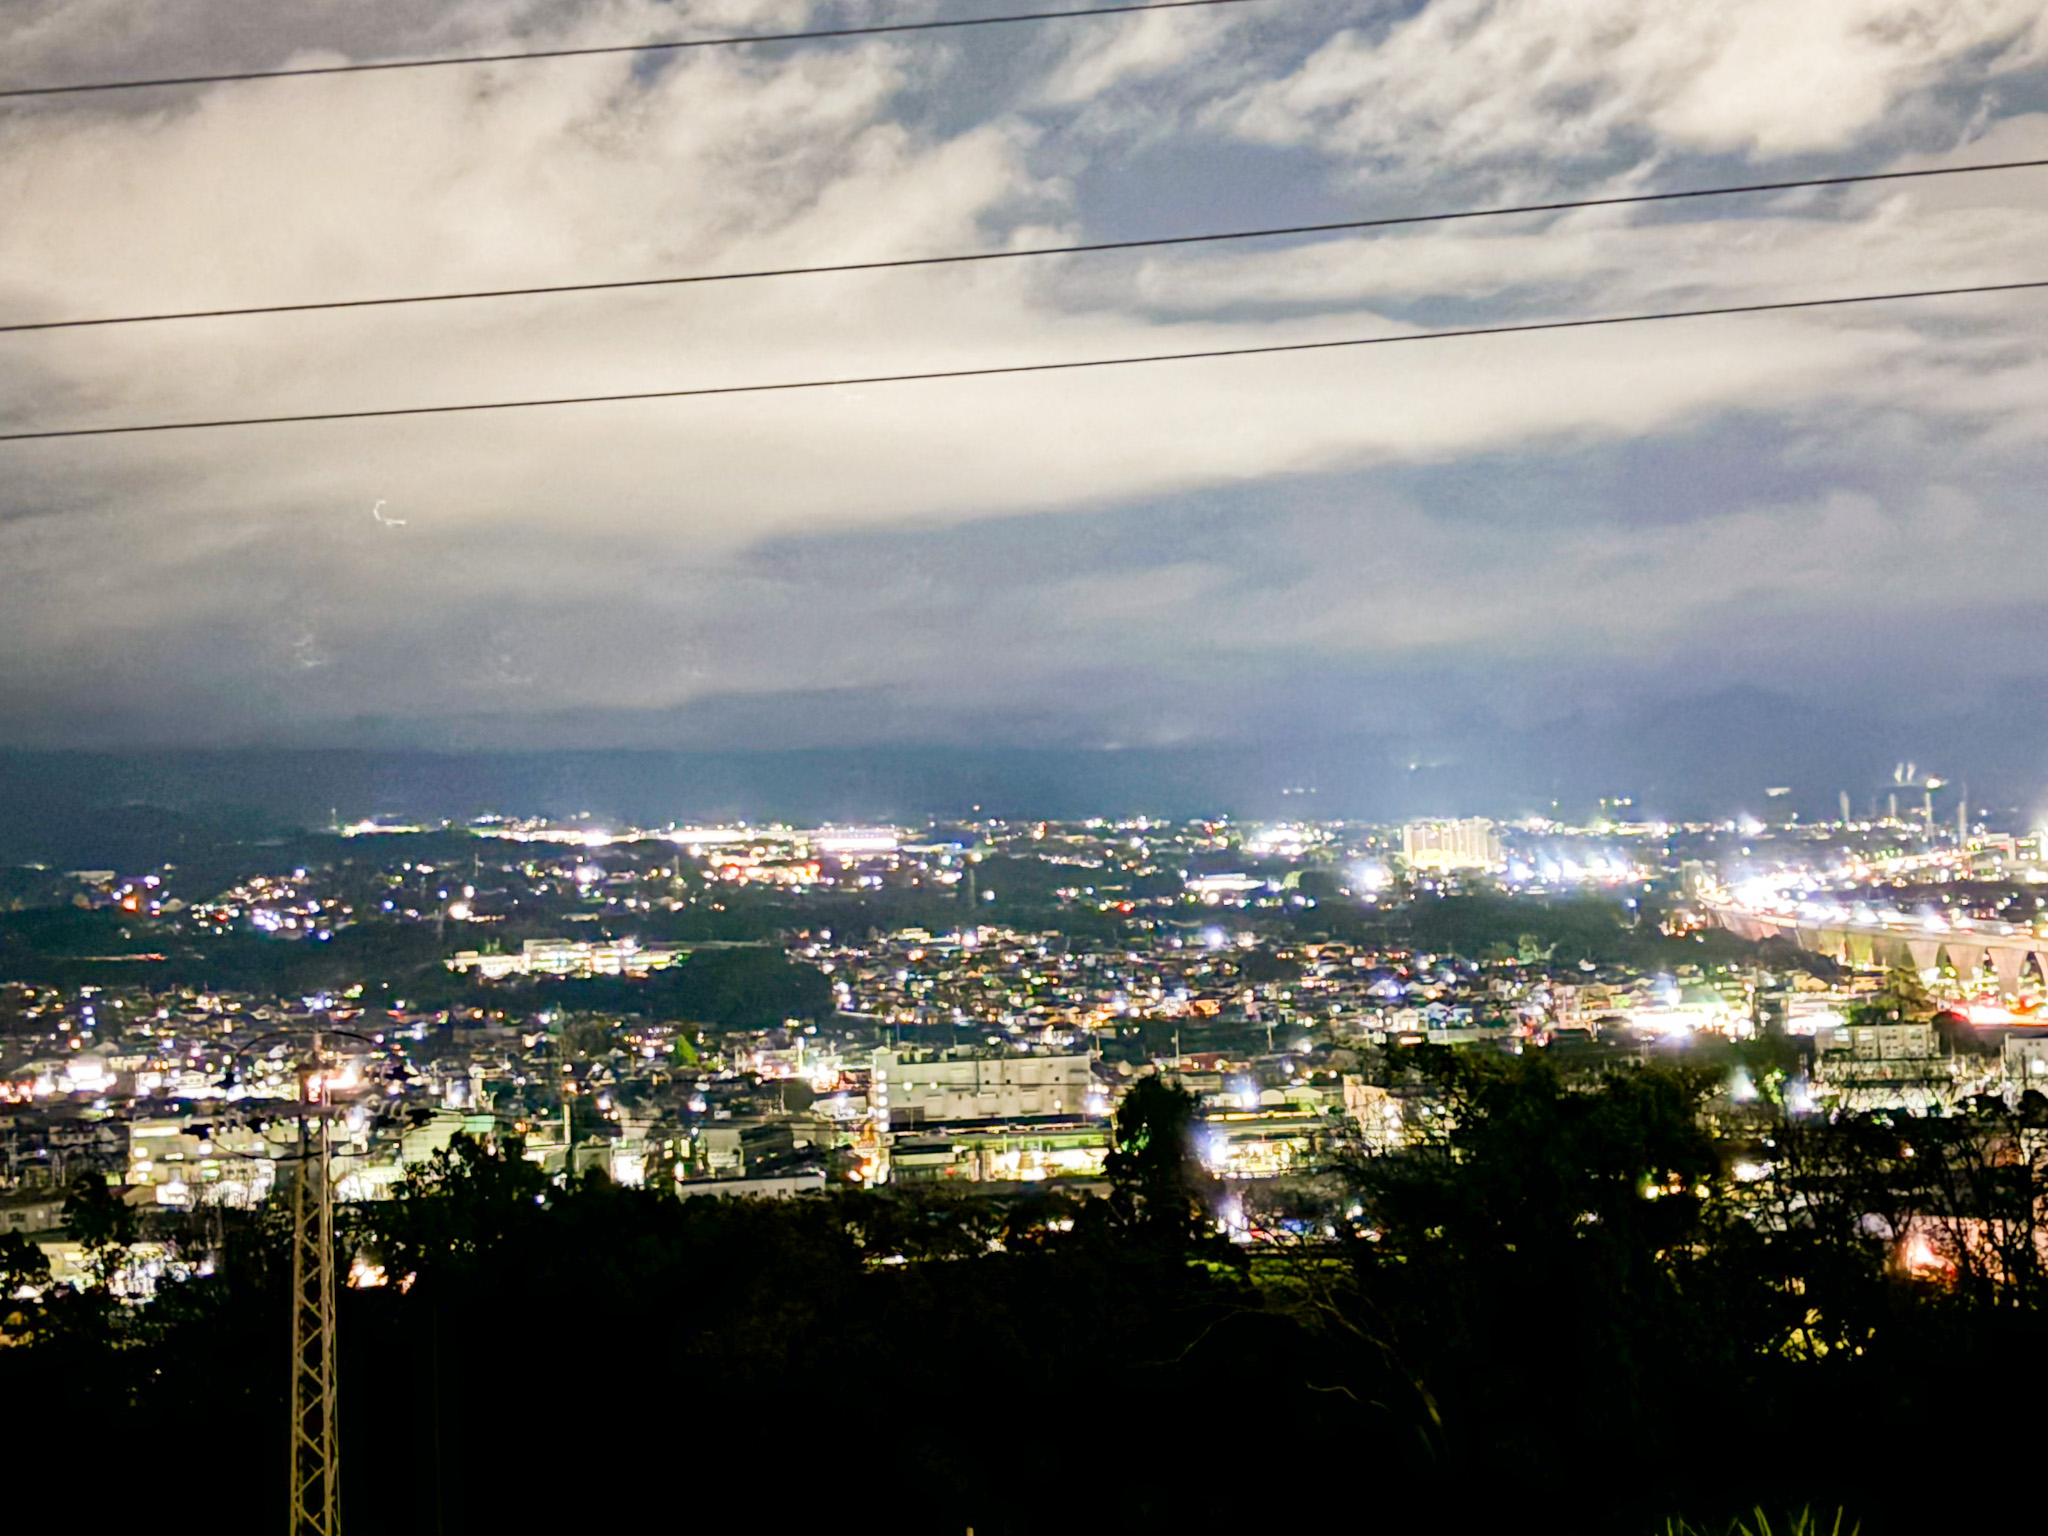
(1461,554)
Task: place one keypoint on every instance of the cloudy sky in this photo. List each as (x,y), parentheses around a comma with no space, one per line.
(1433,547)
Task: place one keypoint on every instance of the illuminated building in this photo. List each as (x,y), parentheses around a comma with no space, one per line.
(1380,1116)
(841,841)
(568,957)
(1470,843)
(976,1084)
(1212,887)
(142,1266)
(2026,1059)
(734,1147)
(1884,1066)
(1002,1154)
(418,1143)
(186,1162)
(1261,1143)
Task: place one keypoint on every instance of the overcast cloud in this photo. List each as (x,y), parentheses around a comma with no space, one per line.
(1838,505)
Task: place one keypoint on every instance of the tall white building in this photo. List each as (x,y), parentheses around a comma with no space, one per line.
(1468,843)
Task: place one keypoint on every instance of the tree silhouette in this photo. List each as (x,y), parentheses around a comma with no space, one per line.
(102,1222)
(24,1268)
(22,1264)
(1158,1185)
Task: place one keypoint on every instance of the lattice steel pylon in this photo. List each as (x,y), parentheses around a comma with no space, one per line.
(316,1450)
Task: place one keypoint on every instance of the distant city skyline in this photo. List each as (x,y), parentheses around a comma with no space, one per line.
(63,806)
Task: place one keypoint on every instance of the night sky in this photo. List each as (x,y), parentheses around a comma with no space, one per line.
(1733,547)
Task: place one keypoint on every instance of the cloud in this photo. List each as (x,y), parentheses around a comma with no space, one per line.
(1119,54)
(962,551)
(1462,81)
(1751,249)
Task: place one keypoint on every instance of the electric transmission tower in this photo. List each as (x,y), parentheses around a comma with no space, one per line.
(316,1450)
(316,1058)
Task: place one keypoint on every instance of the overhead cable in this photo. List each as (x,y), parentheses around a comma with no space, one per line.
(1093,248)
(672,45)
(1019,368)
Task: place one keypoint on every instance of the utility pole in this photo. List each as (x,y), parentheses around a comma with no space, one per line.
(568,1133)
(315,1456)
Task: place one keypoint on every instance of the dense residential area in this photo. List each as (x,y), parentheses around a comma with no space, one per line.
(1317,1063)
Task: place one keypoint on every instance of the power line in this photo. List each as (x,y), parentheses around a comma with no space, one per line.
(1351,225)
(1019,368)
(673,45)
